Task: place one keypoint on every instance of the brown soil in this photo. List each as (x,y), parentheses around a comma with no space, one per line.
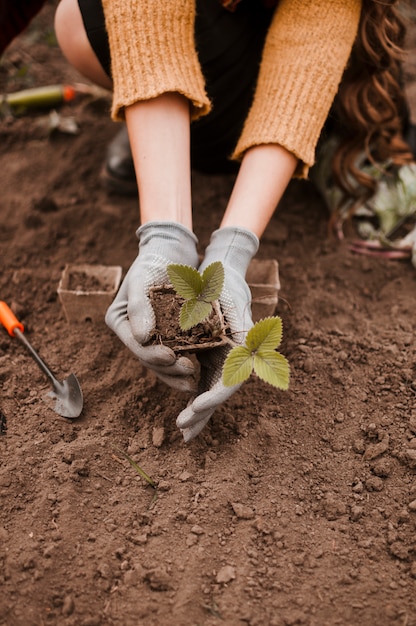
(81,281)
(167,307)
(291,508)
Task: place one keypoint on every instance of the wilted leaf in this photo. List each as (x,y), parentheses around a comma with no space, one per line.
(238,366)
(272,367)
(185,279)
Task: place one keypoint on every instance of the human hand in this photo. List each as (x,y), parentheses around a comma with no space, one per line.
(131,315)
(234,247)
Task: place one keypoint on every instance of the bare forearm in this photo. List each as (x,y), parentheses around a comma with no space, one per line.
(159,137)
(264,175)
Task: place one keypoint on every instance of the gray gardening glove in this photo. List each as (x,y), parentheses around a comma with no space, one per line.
(234,247)
(131,315)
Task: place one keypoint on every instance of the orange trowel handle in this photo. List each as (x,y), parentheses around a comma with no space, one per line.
(9,320)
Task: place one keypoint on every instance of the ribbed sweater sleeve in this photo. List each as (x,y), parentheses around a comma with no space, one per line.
(305,53)
(153,52)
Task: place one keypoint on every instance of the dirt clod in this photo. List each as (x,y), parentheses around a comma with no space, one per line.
(291,508)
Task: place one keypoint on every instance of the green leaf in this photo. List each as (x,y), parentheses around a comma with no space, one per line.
(266,334)
(193,312)
(237,366)
(185,279)
(212,282)
(273,368)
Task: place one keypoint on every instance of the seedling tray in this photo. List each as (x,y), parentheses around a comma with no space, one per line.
(86,291)
(263,279)
(205,335)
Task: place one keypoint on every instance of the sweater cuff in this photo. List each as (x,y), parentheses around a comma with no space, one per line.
(306,51)
(153,52)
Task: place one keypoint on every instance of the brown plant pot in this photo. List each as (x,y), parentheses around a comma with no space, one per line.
(205,335)
(86,291)
(263,280)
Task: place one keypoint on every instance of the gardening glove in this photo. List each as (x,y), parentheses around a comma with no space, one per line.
(234,247)
(131,315)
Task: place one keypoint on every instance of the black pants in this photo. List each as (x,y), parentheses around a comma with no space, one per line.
(229,49)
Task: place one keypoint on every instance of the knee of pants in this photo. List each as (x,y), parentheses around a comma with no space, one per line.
(74,43)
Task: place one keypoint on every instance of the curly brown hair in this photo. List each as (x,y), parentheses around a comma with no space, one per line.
(370,102)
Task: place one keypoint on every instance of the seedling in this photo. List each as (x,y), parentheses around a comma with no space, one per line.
(199,291)
(257,354)
(137,467)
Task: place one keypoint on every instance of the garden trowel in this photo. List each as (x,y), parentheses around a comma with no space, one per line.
(68,394)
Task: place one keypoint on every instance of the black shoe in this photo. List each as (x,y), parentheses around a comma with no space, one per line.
(118,174)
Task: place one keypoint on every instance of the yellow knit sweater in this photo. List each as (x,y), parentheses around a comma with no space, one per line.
(305,53)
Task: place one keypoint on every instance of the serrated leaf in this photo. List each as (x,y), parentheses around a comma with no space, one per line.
(185,279)
(212,282)
(266,334)
(273,368)
(193,312)
(237,366)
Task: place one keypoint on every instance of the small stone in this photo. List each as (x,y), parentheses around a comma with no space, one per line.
(382,468)
(403,516)
(158,579)
(391,611)
(185,476)
(242,511)
(356,513)
(191,540)
(333,508)
(48,551)
(358,487)
(140,539)
(411,457)
(226,574)
(412,506)
(377,449)
(308,365)
(68,606)
(131,578)
(4,535)
(412,423)
(197,530)
(399,550)
(80,467)
(158,436)
(374,483)
(262,526)
(358,446)
(104,570)
(299,559)
(67,457)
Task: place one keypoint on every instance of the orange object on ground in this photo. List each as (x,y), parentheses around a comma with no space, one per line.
(38,97)
(9,320)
